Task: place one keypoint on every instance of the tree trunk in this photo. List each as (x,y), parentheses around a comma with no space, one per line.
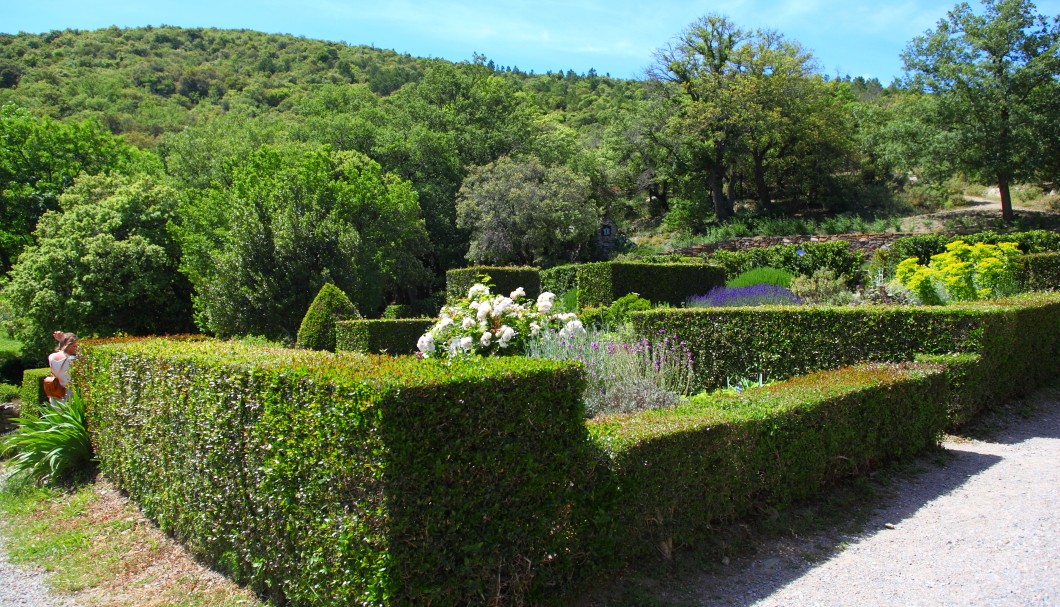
(1006,198)
(722,208)
(765,201)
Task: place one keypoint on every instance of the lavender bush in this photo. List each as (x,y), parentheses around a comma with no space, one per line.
(623,375)
(754,295)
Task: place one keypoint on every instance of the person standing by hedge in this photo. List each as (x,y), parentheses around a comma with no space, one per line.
(60,361)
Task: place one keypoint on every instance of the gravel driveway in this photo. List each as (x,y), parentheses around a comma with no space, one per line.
(983,528)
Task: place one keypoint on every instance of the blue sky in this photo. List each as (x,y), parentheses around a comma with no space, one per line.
(855,37)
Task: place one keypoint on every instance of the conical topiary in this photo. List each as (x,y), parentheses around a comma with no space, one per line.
(318,326)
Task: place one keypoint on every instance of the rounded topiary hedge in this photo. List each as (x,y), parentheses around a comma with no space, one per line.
(318,326)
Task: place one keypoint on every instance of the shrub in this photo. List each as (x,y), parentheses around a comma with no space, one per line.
(824,287)
(757,276)
(963,273)
(719,457)
(560,279)
(50,446)
(395,311)
(803,259)
(459,281)
(602,283)
(320,479)
(623,376)
(9,392)
(378,336)
(1018,338)
(317,331)
(1041,272)
(755,295)
(485,324)
(32,391)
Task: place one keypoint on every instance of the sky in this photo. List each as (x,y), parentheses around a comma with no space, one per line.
(616,37)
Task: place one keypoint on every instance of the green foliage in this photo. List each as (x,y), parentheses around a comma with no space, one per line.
(603,283)
(500,279)
(105,263)
(1016,338)
(392,336)
(320,479)
(824,287)
(757,276)
(9,392)
(723,456)
(963,273)
(1042,272)
(560,279)
(802,259)
(39,160)
(522,212)
(298,221)
(53,445)
(396,311)
(317,331)
(32,391)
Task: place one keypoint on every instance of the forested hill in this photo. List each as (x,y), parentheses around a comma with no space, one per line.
(143,82)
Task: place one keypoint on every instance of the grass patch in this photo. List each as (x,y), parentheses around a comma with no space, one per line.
(96,546)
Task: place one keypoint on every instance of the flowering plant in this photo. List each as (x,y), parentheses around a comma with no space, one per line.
(963,273)
(488,324)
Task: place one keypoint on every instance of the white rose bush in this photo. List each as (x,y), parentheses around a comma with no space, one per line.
(485,324)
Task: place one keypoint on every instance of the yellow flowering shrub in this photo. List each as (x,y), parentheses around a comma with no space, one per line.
(963,272)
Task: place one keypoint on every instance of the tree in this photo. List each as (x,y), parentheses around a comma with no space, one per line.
(295,222)
(105,263)
(39,159)
(990,73)
(522,212)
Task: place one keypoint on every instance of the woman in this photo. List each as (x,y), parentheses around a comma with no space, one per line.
(60,361)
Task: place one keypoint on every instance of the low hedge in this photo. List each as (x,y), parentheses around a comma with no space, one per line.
(378,336)
(323,479)
(800,259)
(32,391)
(721,457)
(560,279)
(1042,271)
(923,246)
(1018,338)
(504,280)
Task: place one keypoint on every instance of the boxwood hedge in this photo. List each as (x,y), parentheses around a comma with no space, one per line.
(32,391)
(504,280)
(600,284)
(1042,272)
(720,457)
(386,335)
(324,479)
(1017,338)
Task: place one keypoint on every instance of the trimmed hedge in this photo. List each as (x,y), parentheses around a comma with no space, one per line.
(721,457)
(328,480)
(600,284)
(923,246)
(378,336)
(32,391)
(1042,271)
(833,255)
(1018,338)
(505,280)
(317,331)
(560,279)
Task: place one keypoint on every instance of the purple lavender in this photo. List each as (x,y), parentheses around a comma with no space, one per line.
(754,295)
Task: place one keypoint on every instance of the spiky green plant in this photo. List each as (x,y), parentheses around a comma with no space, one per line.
(50,446)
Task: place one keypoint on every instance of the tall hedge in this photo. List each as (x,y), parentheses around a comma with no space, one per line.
(1042,272)
(504,279)
(600,284)
(1018,338)
(322,479)
(317,331)
(380,336)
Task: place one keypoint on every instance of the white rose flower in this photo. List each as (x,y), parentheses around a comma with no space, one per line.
(467,323)
(544,302)
(486,338)
(466,343)
(426,343)
(573,327)
(445,322)
(477,289)
(483,310)
(507,333)
(516,294)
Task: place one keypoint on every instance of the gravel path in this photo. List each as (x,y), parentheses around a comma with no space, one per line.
(24,587)
(981,529)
